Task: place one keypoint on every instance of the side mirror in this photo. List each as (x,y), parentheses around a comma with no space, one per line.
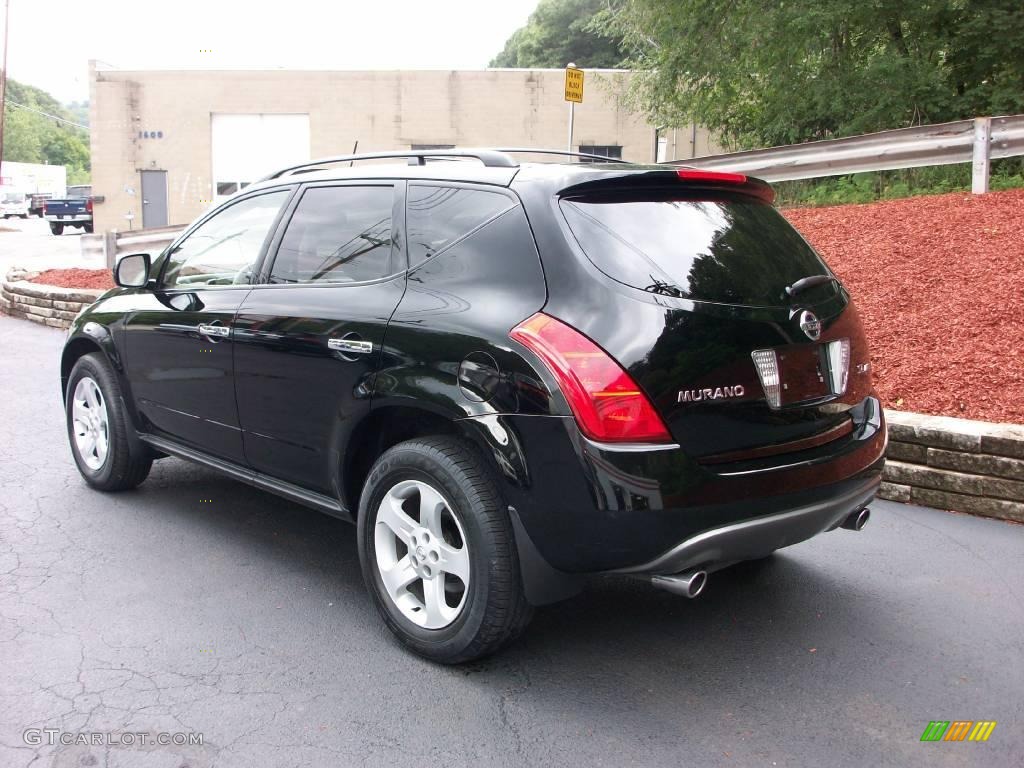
(132,271)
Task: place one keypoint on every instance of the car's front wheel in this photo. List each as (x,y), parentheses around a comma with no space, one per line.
(98,428)
(438,553)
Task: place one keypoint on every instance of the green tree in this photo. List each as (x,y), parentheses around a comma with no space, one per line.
(761,74)
(79,111)
(31,137)
(21,139)
(559,32)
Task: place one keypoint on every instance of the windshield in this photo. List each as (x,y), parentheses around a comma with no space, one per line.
(13,197)
(706,247)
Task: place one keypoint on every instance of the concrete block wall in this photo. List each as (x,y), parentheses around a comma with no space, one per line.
(956,464)
(383,110)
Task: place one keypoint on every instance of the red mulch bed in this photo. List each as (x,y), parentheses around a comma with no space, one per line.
(939,283)
(76,278)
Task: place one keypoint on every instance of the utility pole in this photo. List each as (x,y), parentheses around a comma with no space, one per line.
(3,86)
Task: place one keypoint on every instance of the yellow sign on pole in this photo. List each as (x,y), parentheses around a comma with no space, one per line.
(574,85)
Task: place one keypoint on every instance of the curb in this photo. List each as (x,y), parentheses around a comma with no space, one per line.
(43,304)
(955,464)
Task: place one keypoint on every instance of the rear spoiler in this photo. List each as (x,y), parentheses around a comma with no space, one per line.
(686,178)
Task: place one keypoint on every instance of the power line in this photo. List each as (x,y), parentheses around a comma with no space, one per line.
(47,114)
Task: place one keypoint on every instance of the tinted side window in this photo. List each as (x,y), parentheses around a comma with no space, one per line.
(337,235)
(439,216)
(223,249)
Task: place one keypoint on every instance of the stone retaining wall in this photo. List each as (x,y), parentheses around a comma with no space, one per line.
(946,463)
(935,461)
(44,304)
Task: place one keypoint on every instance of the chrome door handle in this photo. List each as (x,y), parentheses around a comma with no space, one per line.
(357,346)
(221,331)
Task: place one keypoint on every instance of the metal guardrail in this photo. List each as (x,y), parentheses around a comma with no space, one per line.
(974,141)
(112,244)
(965,141)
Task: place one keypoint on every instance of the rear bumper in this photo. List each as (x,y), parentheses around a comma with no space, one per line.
(760,536)
(69,219)
(589,508)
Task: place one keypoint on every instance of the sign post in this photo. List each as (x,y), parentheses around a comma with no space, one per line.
(573,94)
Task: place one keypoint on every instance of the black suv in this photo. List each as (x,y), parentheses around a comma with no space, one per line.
(508,375)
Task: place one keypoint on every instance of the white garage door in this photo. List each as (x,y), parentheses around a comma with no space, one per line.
(248,147)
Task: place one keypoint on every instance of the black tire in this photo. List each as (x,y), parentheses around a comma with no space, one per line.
(121,470)
(40,214)
(88,228)
(57,229)
(495,610)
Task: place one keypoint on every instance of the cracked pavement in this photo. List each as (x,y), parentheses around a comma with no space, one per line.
(246,619)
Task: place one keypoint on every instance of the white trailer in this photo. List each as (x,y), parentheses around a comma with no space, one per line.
(34,178)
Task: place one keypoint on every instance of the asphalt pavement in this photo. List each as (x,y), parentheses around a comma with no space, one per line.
(199,605)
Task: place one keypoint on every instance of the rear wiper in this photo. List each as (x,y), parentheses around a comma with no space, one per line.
(665,289)
(808,282)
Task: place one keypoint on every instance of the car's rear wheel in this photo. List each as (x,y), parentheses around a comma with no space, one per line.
(57,229)
(437,551)
(98,428)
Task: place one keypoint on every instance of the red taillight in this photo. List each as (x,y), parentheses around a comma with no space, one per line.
(88,205)
(607,403)
(44,207)
(720,177)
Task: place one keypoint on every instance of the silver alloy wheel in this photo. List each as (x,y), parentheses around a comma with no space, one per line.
(90,423)
(422,554)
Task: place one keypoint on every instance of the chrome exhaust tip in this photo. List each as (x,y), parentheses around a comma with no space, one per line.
(688,584)
(855,521)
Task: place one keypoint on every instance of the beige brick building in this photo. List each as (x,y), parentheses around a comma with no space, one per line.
(181,139)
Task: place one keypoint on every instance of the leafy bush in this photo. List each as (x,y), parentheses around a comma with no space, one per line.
(889,185)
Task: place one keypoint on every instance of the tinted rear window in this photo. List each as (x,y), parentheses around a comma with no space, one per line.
(728,250)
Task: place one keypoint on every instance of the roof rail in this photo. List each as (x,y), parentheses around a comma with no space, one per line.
(489,157)
(492,158)
(563,153)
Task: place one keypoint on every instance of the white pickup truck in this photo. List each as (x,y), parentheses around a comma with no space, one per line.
(13,203)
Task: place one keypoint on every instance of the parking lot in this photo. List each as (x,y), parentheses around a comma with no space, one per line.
(197,604)
(28,243)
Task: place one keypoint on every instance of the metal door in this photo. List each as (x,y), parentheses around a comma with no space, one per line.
(154,199)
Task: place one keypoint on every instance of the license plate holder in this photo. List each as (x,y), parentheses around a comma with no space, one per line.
(803,373)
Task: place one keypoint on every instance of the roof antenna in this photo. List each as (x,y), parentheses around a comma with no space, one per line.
(354,148)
